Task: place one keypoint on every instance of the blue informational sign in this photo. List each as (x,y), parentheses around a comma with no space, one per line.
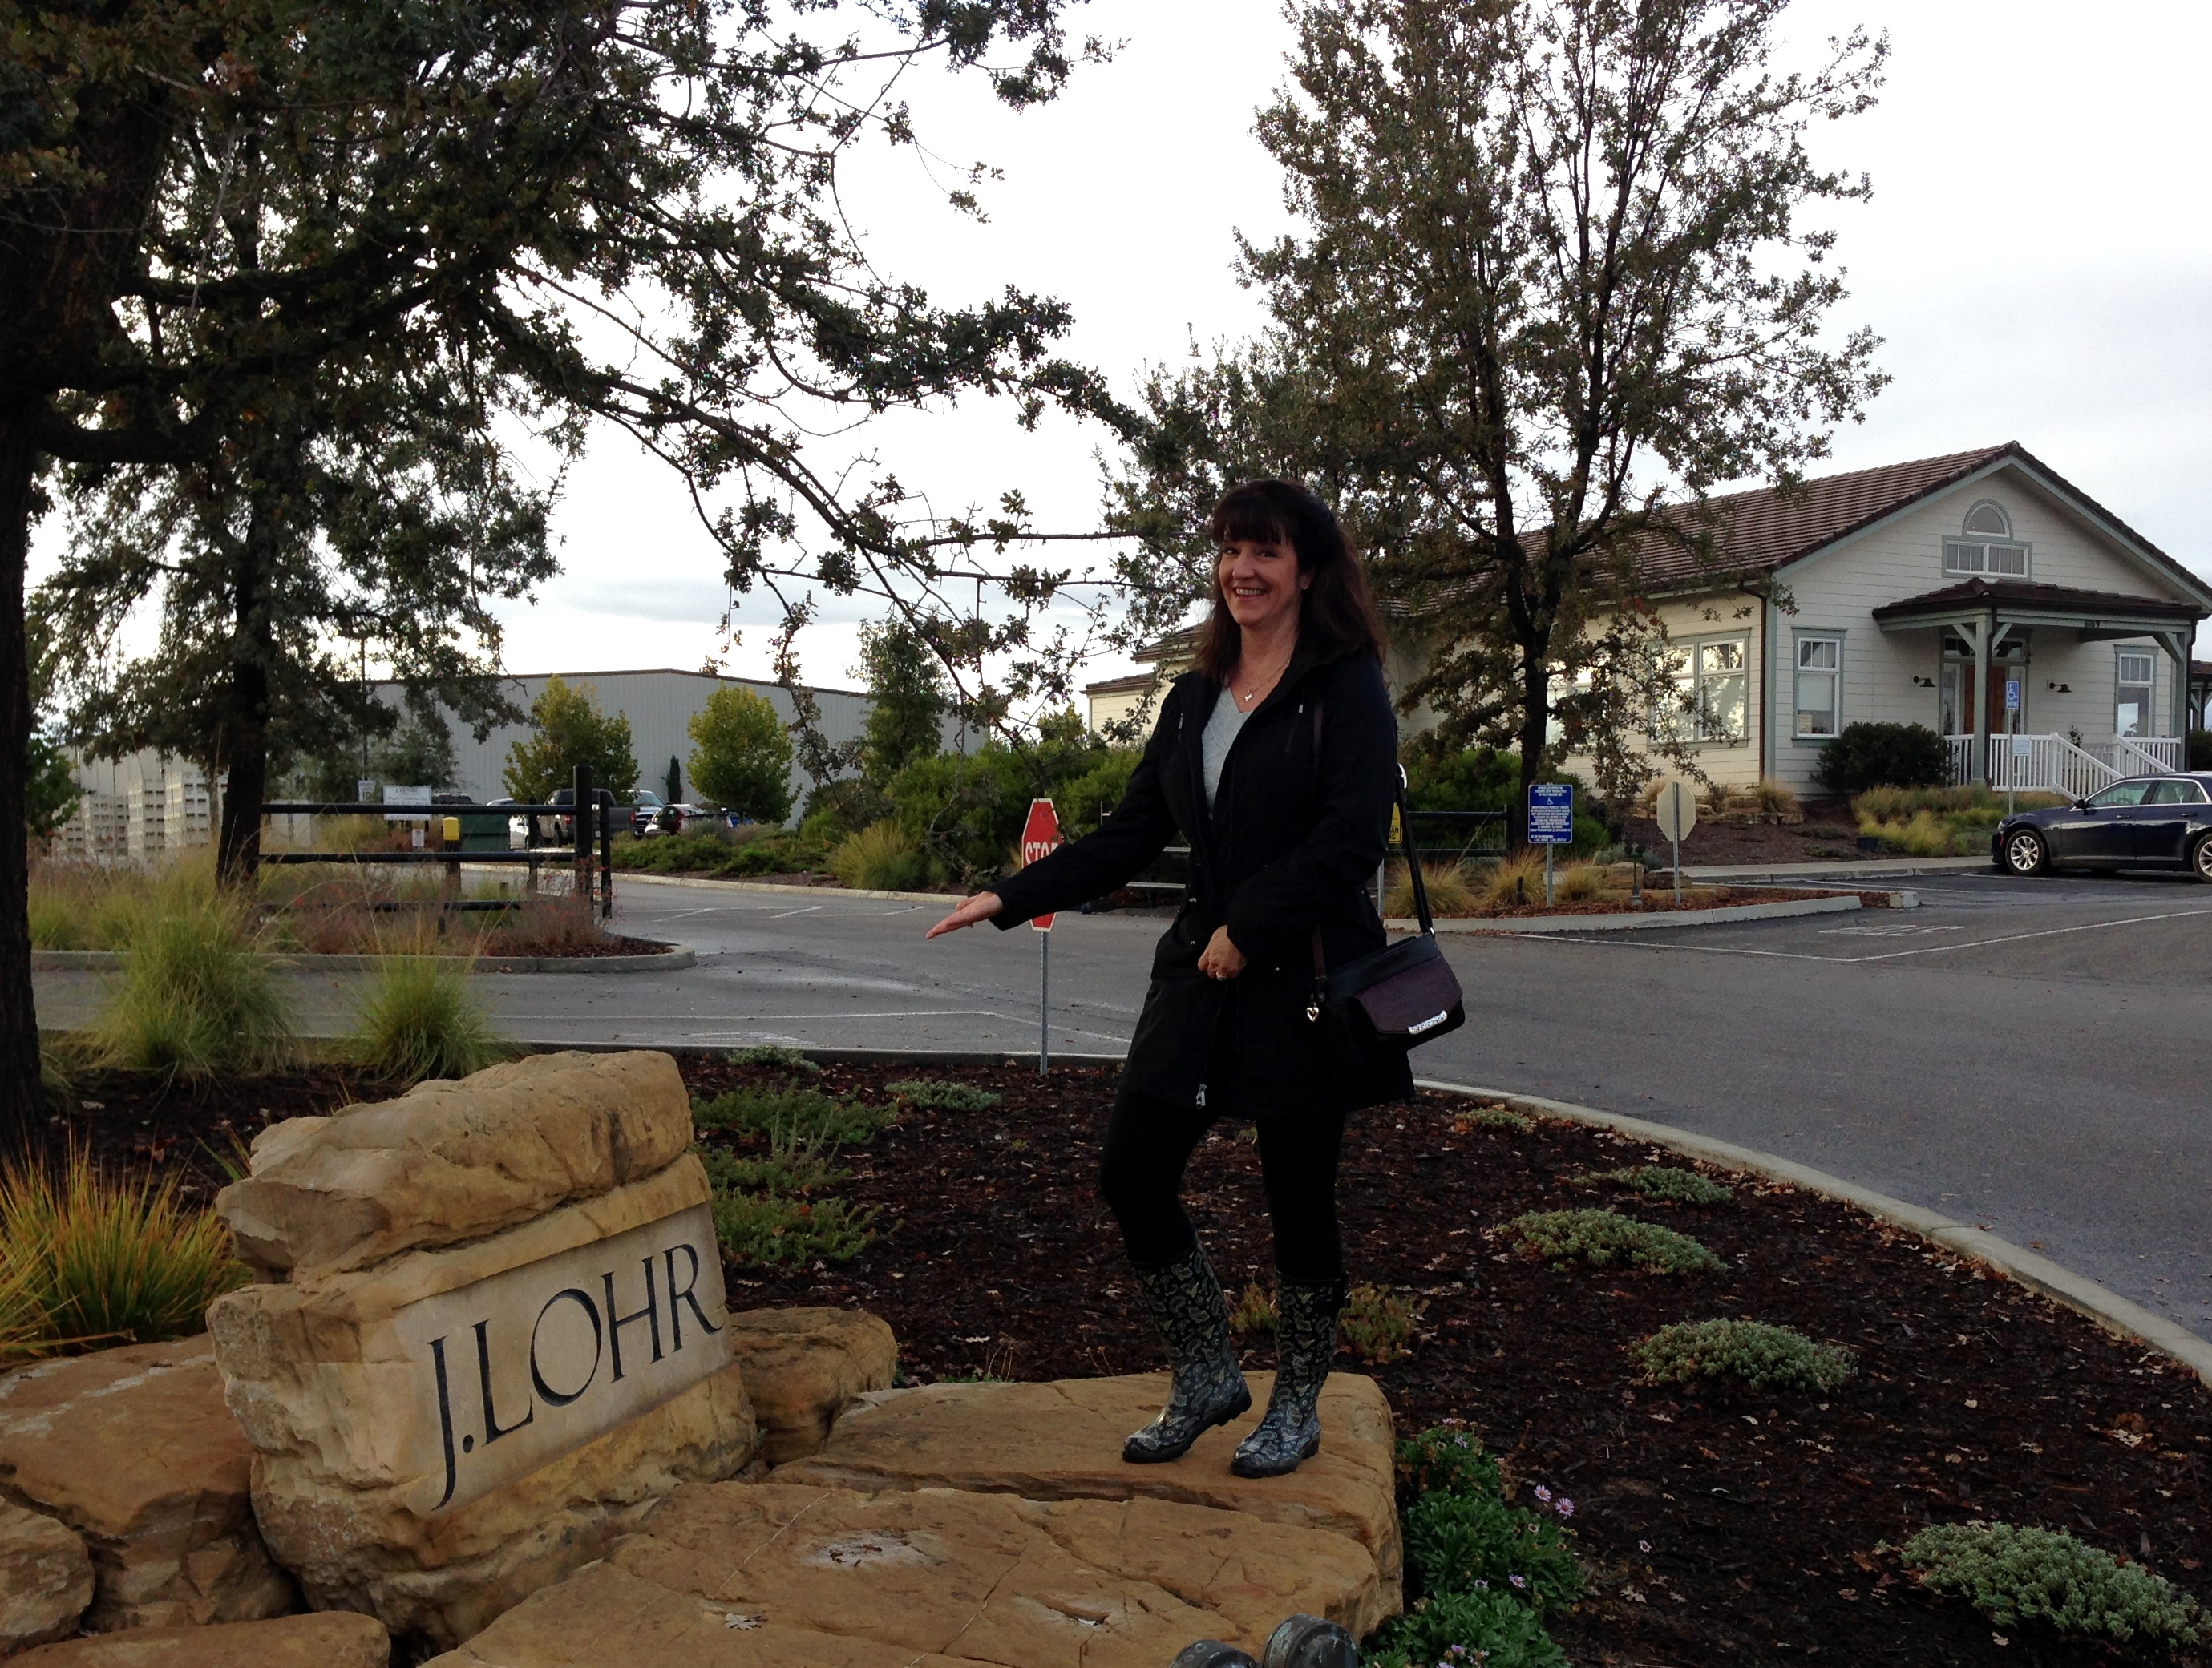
(2012,694)
(1551,814)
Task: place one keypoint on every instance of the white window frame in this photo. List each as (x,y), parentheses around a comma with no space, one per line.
(1834,674)
(2148,684)
(1690,676)
(2004,558)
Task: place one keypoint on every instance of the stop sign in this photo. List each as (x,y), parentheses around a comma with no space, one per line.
(1039,837)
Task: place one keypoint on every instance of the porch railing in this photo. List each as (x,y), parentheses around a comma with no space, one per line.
(2054,764)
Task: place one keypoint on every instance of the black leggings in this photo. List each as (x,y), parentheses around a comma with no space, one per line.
(1149,1142)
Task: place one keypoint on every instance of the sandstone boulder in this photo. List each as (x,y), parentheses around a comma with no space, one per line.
(45,1580)
(134,1450)
(332,1640)
(442,1424)
(1062,1440)
(450,1161)
(744,1575)
(804,1367)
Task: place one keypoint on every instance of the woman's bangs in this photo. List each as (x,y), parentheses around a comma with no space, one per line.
(1247,521)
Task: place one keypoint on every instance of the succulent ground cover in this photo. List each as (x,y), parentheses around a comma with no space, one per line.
(1713,1524)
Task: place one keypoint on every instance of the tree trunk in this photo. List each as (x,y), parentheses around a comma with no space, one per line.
(22,1120)
(246,698)
(1536,724)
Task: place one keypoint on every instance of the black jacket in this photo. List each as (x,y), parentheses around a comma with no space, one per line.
(1293,843)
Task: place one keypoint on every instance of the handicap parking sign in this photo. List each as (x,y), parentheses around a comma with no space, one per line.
(1551,814)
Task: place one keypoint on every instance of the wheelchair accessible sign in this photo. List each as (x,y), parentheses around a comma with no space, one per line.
(1551,814)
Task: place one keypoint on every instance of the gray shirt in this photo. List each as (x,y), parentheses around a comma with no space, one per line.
(1220,733)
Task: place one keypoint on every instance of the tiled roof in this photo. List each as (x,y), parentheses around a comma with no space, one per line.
(1758,531)
(2050,598)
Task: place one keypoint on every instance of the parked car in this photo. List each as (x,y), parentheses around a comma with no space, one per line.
(2142,822)
(566,825)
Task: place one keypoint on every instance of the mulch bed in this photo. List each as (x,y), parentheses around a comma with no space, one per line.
(1659,900)
(1763,1514)
(1827,835)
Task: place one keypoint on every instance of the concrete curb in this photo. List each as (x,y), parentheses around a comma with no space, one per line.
(2115,1313)
(1873,869)
(671,960)
(625,877)
(1515,925)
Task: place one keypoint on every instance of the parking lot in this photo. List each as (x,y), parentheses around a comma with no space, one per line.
(2025,1054)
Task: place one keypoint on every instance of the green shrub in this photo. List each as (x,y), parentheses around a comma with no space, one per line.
(1468,1542)
(2014,1574)
(1662,1182)
(88,1261)
(1255,1312)
(1758,1355)
(1495,1118)
(1488,1630)
(1865,755)
(792,1114)
(418,1019)
(936,1094)
(193,999)
(882,858)
(771,1230)
(775,1055)
(1482,1572)
(1445,1460)
(1378,1324)
(1601,1238)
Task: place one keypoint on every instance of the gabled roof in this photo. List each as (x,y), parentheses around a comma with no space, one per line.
(1761,531)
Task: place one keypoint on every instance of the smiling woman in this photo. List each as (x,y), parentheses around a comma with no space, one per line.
(1275,758)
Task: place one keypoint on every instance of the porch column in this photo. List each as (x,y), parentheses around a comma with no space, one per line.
(2176,645)
(1985,630)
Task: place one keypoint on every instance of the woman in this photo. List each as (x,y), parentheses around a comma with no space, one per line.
(1276,759)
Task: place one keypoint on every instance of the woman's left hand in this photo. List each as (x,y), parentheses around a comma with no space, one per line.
(1220,959)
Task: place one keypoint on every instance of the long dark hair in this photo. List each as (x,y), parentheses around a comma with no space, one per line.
(1338,612)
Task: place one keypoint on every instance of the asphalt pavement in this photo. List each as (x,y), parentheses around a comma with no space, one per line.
(2028,1055)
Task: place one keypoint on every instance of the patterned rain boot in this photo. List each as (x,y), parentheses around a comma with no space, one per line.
(1306,1344)
(1188,1305)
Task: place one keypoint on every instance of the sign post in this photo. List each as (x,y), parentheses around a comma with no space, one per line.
(1551,822)
(1039,837)
(2012,727)
(1675,810)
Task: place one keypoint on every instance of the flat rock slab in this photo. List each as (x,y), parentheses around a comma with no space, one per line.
(330,1639)
(46,1579)
(803,1368)
(134,1450)
(754,1574)
(1062,1440)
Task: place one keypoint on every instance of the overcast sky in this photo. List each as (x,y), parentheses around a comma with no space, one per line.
(2030,256)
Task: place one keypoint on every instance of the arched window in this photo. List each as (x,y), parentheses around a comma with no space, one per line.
(1989,517)
(1986,545)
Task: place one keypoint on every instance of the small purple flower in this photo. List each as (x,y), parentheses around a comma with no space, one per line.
(1518,1580)
(1543,1493)
(1566,1507)
(1483,1584)
(1644,1546)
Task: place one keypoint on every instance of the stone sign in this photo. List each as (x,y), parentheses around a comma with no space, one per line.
(490,1333)
(517,1370)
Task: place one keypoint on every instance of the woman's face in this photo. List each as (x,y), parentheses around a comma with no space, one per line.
(1261,582)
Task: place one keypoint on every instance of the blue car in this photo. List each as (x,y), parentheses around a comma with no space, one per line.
(2143,822)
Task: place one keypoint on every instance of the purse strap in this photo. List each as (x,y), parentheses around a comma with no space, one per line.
(1405,844)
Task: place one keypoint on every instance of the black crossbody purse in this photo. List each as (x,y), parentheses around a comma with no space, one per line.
(1397,998)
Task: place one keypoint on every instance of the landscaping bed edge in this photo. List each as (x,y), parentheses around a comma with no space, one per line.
(671,959)
(2117,1314)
